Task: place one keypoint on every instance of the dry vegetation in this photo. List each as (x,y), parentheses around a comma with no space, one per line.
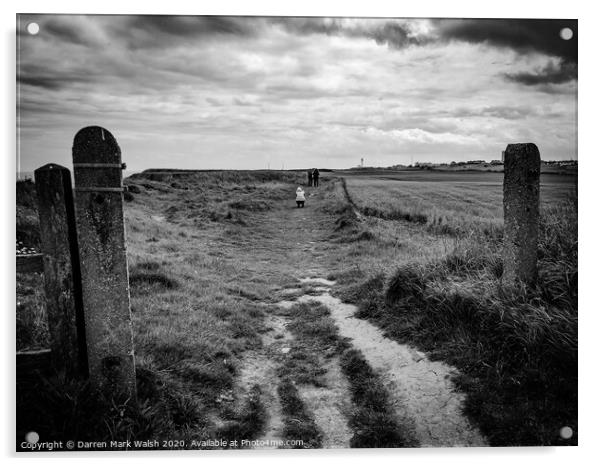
(198,302)
(517,350)
(210,253)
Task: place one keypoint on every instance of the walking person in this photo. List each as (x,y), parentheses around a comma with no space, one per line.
(309,177)
(316,177)
(300,197)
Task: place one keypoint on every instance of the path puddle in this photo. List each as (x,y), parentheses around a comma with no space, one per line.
(422,388)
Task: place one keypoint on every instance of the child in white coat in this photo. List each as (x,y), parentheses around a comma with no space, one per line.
(300,197)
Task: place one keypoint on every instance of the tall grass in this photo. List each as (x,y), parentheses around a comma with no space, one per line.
(195,312)
(31,322)
(516,349)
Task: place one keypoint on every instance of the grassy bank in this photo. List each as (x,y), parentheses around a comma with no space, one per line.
(197,306)
(517,350)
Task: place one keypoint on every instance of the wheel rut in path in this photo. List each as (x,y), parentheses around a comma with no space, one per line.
(328,405)
(260,368)
(422,390)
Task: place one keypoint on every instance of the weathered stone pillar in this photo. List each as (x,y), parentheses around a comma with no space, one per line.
(521,213)
(62,280)
(105,284)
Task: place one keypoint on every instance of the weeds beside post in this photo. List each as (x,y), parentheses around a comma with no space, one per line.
(62,281)
(101,231)
(521,213)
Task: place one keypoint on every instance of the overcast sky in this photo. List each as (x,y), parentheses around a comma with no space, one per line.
(231,92)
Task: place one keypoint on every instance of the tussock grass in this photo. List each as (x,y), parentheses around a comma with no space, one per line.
(250,204)
(155,280)
(66,409)
(248,422)
(516,349)
(220,177)
(32,323)
(196,309)
(27,223)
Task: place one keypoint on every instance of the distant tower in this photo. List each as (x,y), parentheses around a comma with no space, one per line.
(362,162)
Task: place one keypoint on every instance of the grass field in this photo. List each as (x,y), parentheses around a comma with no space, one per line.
(449,203)
(435,282)
(211,254)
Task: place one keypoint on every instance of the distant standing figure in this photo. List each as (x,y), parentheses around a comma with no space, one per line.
(300,197)
(309,175)
(316,177)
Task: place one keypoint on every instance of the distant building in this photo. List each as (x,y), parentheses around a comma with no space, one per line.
(503,156)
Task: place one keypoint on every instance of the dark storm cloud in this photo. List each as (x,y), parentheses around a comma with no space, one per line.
(39,76)
(314,89)
(67,31)
(150,31)
(193,25)
(396,35)
(393,33)
(52,83)
(522,35)
(550,74)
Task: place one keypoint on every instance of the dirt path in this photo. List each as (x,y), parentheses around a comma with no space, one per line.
(422,390)
(329,406)
(259,367)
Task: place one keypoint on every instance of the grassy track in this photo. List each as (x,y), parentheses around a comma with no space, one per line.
(212,253)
